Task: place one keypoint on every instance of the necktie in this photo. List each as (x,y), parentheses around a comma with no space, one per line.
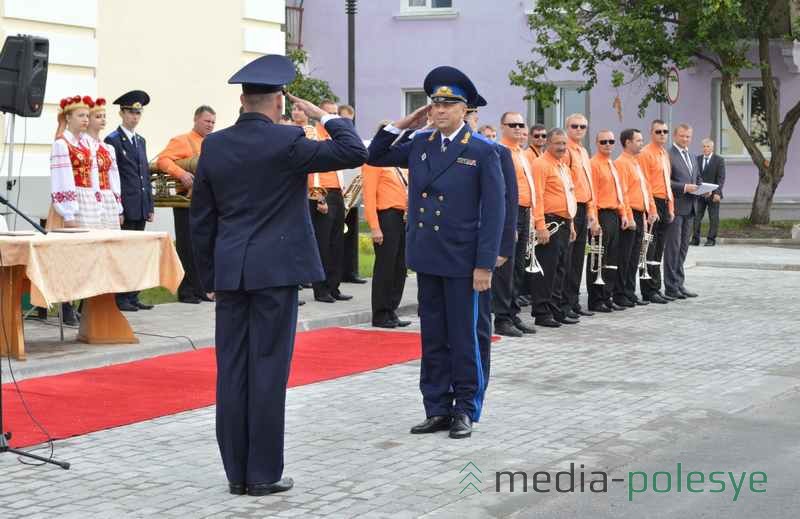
(643,187)
(616,182)
(686,158)
(569,190)
(445,144)
(665,169)
(528,177)
(705,163)
(133,140)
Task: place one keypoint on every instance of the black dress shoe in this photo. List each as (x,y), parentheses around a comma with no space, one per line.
(674,295)
(521,326)
(547,322)
(586,313)
(695,241)
(506,329)
(264,489)
(192,300)
(710,243)
(657,299)
(400,323)
(356,280)
(126,306)
(432,425)
(143,306)
(384,324)
(563,319)
(300,302)
(624,301)
(600,307)
(614,306)
(325,298)
(237,489)
(687,293)
(523,301)
(667,297)
(641,302)
(68,315)
(341,297)
(572,314)
(461,428)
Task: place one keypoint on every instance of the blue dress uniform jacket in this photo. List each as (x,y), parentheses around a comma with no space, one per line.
(134,175)
(250,223)
(509,238)
(456,205)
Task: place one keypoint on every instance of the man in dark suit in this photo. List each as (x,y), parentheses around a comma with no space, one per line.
(712,169)
(253,245)
(684,179)
(456,212)
(134,176)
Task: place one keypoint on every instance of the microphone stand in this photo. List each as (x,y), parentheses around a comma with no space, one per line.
(23,215)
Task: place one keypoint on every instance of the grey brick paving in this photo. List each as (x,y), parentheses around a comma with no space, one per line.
(611,392)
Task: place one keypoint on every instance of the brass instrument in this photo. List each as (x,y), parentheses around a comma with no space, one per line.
(647,239)
(596,257)
(317,193)
(351,196)
(169,191)
(531,263)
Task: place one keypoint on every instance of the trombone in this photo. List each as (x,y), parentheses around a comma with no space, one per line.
(531,263)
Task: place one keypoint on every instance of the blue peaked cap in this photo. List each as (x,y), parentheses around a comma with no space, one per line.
(265,75)
(449,85)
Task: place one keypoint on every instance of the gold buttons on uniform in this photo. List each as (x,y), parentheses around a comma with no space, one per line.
(438,213)
(420,224)
(435,227)
(424,195)
(421,209)
(441,198)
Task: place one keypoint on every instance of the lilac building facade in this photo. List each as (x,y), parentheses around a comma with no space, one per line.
(399,41)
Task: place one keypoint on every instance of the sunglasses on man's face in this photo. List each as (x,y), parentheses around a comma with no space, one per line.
(661,132)
(539,135)
(605,142)
(577,126)
(515,125)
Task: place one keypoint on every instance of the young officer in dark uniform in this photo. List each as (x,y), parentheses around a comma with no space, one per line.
(253,245)
(456,212)
(134,176)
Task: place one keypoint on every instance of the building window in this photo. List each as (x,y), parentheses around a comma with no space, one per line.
(748,97)
(413,99)
(426,9)
(427,4)
(568,101)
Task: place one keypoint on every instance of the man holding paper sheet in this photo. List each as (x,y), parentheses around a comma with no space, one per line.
(684,179)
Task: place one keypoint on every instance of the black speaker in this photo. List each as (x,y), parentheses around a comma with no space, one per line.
(23,75)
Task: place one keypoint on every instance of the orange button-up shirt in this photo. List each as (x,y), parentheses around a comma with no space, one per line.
(179,147)
(654,160)
(532,154)
(329,180)
(626,166)
(523,188)
(382,188)
(550,195)
(577,158)
(606,188)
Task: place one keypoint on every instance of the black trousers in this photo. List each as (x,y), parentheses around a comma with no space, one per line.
(190,285)
(389,270)
(507,280)
(552,258)
(350,247)
(629,248)
(656,251)
(567,295)
(254,343)
(609,269)
(130,225)
(713,217)
(329,229)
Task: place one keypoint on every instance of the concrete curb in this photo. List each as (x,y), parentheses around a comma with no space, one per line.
(787,267)
(759,241)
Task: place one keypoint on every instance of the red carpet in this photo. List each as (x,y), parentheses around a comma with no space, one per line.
(84,401)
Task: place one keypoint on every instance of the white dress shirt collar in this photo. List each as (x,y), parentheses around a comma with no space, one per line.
(129,134)
(453,135)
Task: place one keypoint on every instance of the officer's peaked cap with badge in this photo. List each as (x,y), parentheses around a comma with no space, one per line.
(479,102)
(264,75)
(133,101)
(449,85)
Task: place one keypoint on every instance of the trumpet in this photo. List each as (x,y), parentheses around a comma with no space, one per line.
(596,251)
(317,193)
(647,239)
(531,263)
(351,196)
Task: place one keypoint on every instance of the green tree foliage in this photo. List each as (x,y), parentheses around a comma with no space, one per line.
(307,87)
(640,39)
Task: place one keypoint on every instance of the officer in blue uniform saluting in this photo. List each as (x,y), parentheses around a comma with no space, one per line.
(253,245)
(456,212)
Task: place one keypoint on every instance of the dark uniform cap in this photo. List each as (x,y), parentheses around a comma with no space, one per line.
(450,85)
(134,100)
(479,101)
(265,75)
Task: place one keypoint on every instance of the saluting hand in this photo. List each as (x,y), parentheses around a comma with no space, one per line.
(311,110)
(416,119)
(481,279)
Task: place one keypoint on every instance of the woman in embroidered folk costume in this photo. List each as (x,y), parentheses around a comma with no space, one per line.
(76,199)
(104,166)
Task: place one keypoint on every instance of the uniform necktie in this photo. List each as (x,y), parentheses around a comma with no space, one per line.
(616,182)
(685,155)
(526,168)
(665,168)
(643,187)
(705,163)
(569,190)
(445,144)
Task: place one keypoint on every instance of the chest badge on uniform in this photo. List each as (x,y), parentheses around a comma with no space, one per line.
(467,162)
(424,156)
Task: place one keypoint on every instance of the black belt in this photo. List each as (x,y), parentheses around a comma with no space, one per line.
(556,218)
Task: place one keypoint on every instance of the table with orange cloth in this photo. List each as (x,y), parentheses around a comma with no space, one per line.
(92,265)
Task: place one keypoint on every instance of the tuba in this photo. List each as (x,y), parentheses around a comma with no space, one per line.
(351,196)
(167,190)
(531,263)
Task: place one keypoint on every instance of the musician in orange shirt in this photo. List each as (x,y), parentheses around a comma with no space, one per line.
(612,213)
(655,163)
(578,160)
(537,138)
(555,205)
(179,147)
(385,193)
(641,212)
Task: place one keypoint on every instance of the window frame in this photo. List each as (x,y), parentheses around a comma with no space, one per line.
(718,110)
(560,115)
(427,12)
(404,98)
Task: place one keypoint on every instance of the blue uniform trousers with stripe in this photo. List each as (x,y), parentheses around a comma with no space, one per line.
(451,374)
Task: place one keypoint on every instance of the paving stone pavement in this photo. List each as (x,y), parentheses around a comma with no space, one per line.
(713,381)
